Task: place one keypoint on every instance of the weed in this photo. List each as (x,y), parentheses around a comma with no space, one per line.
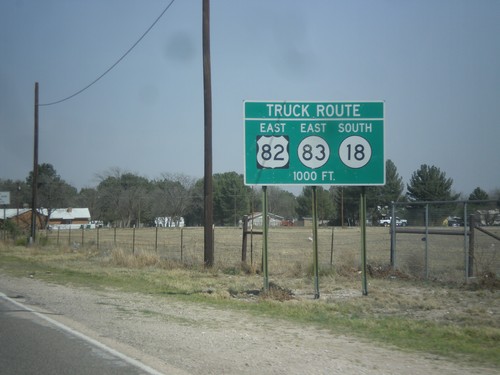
(139,260)
(277,293)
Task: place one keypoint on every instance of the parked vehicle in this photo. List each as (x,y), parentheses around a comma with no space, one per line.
(401,222)
(385,222)
(455,222)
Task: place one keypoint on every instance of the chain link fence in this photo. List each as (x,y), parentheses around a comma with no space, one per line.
(446,241)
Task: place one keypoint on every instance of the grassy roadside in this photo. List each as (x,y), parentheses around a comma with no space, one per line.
(455,322)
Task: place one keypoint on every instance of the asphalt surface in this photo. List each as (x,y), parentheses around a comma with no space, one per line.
(33,343)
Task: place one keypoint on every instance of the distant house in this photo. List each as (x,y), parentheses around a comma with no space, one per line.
(61,218)
(488,217)
(69,218)
(307,221)
(21,217)
(255,220)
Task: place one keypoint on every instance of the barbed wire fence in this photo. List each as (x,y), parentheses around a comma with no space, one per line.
(444,241)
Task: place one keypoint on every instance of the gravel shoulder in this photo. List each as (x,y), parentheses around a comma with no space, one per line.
(178,338)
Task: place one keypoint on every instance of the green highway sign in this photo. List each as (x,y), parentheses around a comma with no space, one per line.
(314,143)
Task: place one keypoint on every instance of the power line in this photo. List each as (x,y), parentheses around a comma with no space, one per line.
(116,63)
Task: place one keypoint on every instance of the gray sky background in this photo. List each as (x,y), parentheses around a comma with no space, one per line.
(436,64)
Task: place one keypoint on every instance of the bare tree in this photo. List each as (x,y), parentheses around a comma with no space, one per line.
(171,196)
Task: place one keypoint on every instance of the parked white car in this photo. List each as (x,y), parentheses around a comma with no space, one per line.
(385,222)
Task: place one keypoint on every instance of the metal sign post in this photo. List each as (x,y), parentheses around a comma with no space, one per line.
(264,240)
(315,241)
(362,215)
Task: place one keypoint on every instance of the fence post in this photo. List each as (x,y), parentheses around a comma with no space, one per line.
(133,240)
(393,237)
(83,234)
(244,241)
(182,243)
(466,249)
(331,247)
(156,239)
(470,260)
(426,271)
(251,243)
(97,238)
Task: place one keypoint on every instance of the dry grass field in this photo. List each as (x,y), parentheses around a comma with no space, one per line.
(290,251)
(288,248)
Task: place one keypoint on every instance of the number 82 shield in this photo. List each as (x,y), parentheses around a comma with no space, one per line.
(272,152)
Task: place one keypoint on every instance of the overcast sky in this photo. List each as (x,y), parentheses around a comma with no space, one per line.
(435,63)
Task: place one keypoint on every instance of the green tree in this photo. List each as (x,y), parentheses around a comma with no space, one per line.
(379,198)
(347,199)
(231,198)
(52,191)
(429,183)
(281,202)
(392,191)
(194,210)
(324,200)
(489,216)
(256,199)
(122,198)
(478,194)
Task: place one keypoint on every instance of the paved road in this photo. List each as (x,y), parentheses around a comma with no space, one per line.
(34,343)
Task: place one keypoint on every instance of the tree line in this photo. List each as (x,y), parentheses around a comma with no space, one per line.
(125,199)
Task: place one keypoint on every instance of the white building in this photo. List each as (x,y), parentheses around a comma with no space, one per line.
(169,222)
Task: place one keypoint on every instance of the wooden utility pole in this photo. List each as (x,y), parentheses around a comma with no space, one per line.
(208,185)
(34,181)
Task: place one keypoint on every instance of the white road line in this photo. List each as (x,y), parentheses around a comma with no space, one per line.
(90,340)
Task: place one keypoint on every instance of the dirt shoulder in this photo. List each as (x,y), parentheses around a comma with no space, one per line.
(185,338)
